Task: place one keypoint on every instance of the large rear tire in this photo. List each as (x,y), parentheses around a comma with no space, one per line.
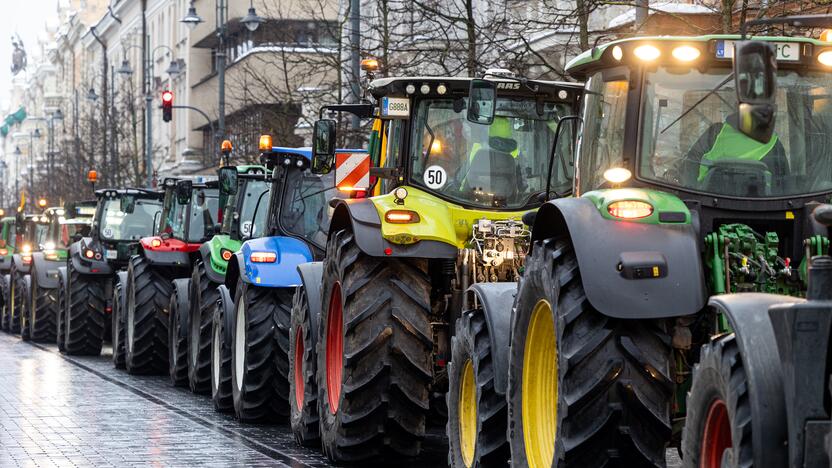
(303,390)
(84,324)
(375,353)
(43,311)
(477,414)
(5,312)
(117,327)
(60,318)
(15,302)
(178,333)
(146,321)
(584,389)
(259,352)
(203,297)
(24,299)
(221,393)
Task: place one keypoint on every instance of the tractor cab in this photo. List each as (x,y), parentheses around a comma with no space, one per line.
(7,242)
(32,231)
(189,216)
(661,116)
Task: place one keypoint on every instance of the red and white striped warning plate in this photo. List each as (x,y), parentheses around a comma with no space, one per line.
(352,171)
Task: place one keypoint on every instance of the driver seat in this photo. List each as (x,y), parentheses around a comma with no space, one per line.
(494,172)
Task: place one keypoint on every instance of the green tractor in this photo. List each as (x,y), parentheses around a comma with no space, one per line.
(66,225)
(241,188)
(683,190)
(457,163)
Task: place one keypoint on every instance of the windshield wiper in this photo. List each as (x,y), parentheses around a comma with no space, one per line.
(711,92)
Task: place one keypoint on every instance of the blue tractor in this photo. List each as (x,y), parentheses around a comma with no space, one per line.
(250,330)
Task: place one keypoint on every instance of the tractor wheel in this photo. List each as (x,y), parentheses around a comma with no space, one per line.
(5,312)
(178,333)
(375,353)
(303,390)
(43,312)
(60,329)
(119,303)
(259,352)
(14,303)
(146,320)
(221,392)
(203,297)
(719,412)
(477,414)
(25,307)
(84,313)
(584,389)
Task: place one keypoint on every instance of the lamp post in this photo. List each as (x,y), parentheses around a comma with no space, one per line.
(173,69)
(251,21)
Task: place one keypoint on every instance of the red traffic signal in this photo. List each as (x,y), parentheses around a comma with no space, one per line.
(167,106)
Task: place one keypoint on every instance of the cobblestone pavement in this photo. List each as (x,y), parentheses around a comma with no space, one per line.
(70,411)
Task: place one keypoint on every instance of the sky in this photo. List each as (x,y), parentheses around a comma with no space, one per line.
(27,18)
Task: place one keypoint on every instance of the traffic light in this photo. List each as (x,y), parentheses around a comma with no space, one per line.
(167,106)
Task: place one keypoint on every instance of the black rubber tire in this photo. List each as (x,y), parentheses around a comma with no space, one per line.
(261,390)
(615,377)
(117,319)
(221,393)
(720,374)
(303,389)
(24,312)
(178,333)
(43,313)
(203,297)
(5,311)
(84,313)
(60,328)
(14,301)
(146,320)
(388,353)
(471,342)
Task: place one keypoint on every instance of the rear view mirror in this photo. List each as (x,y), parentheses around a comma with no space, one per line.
(127,204)
(183,191)
(228,180)
(323,146)
(755,78)
(482,98)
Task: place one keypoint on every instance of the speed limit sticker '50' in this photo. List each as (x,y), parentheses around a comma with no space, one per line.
(435,177)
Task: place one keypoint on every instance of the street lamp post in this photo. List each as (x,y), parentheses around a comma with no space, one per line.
(251,21)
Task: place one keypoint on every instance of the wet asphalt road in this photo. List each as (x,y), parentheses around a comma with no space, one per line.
(60,411)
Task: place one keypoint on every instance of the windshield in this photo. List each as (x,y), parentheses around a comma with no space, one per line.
(501,165)
(39,234)
(191,222)
(689,139)
(250,190)
(305,210)
(117,225)
(72,230)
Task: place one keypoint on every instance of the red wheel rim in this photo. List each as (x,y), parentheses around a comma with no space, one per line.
(334,349)
(716,436)
(299,367)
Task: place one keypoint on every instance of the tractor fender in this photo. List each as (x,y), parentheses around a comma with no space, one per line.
(232,274)
(603,245)
(754,332)
(496,300)
(46,271)
(205,256)
(62,275)
(182,287)
(225,304)
(361,216)
(84,265)
(282,273)
(311,275)
(19,266)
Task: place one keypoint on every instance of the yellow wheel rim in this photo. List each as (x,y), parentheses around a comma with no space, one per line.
(467,414)
(540,387)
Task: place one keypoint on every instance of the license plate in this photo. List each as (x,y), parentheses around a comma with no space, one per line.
(395,108)
(786,51)
(111,255)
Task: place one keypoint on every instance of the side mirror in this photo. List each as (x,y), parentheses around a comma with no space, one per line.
(127,204)
(70,210)
(323,146)
(183,191)
(755,78)
(482,101)
(228,180)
